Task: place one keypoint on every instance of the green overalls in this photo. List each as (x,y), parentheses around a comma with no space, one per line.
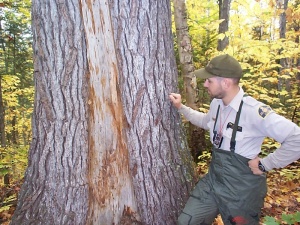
(229,188)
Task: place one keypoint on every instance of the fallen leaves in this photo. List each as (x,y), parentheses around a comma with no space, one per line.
(283,193)
(282,202)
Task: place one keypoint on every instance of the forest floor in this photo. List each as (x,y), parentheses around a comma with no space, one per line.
(283,197)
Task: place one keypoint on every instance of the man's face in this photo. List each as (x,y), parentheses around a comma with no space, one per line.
(214,87)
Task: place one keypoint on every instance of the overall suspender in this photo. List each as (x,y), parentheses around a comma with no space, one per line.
(234,129)
(217,116)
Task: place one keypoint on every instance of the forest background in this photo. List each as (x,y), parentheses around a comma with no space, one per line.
(263,36)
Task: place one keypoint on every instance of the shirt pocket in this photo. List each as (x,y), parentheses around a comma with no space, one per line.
(228,134)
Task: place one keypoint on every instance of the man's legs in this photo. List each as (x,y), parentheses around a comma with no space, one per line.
(201,207)
(243,212)
(240,217)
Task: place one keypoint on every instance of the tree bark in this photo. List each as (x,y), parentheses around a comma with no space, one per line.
(160,164)
(106,141)
(55,190)
(196,134)
(224,8)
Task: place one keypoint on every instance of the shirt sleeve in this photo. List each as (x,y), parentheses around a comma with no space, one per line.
(288,152)
(195,117)
(285,132)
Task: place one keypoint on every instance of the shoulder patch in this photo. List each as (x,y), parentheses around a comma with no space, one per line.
(264,110)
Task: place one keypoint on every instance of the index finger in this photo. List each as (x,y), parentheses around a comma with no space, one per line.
(175,95)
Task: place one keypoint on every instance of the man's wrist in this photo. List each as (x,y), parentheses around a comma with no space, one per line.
(261,167)
(181,108)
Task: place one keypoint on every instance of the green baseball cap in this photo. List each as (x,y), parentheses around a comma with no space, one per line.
(221,66)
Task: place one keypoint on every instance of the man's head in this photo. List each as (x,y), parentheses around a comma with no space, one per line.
(221,66)
(222,75)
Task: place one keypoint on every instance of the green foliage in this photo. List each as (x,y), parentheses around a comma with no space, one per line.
(16,70)
(204,157)
(285,219)
(13,161)
(7,203)
(254,41)
(290,174)
(291,218)
(268,146)
(203,25)
(270,221)
(18,103)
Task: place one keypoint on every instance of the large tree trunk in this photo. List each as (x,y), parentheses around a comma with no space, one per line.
(196,134)
(224,9)
(107,123)
(160,164)
(55,190)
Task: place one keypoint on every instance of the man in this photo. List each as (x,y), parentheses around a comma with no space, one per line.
(235,185)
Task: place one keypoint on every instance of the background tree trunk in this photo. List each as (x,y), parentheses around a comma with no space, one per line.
(284,62)
(2,111)
(160,164)
(224,8)
(55,190)
(196,135)
(2,117)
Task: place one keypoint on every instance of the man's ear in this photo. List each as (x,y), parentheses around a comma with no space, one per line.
(226,82)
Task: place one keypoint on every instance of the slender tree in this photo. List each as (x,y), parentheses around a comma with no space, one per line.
(2,116)
(2,110)
(284,62)
(196,135)
(224,9)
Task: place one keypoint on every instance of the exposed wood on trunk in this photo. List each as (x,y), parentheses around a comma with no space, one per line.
(110,184)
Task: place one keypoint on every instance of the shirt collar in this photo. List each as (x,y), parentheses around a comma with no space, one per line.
(236,101)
